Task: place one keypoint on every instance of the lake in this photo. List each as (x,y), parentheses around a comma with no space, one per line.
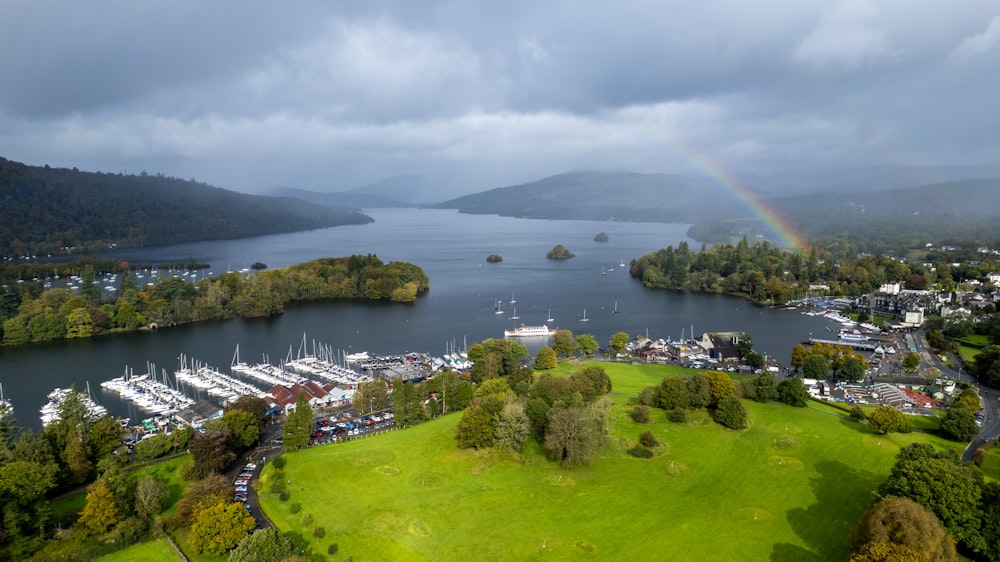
(452,250)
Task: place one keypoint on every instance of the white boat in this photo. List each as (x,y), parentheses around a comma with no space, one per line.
(585,319)
(615,311)
(514,315)
(529,331)
(496,307)
(621,263)
(550,318)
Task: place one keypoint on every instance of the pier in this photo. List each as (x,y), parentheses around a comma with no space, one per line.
(862,345)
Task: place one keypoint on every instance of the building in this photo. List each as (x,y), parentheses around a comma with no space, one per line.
(722,346)
(198,413)
(319,396)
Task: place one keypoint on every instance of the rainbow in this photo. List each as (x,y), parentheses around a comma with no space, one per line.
(787,235)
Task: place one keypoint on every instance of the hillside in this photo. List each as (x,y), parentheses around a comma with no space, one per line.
(591,195)
(46,210)
(352,198)
(880,221)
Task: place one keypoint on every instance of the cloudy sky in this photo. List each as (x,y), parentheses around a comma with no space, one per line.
(331,95)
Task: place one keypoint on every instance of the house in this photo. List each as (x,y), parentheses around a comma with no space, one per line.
(722,346)
(198,413)
(318,395)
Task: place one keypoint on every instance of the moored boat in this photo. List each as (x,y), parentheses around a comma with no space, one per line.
(523,331)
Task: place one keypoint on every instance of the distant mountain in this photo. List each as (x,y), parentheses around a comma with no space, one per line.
(883,220)
(865,178)
(45,210)
(351,198)
(410,189)
(589,195)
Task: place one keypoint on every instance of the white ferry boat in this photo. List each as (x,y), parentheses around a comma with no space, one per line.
(529,332)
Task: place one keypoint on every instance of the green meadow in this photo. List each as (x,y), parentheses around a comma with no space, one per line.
(788,488)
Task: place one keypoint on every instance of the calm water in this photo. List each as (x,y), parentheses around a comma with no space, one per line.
(452,249)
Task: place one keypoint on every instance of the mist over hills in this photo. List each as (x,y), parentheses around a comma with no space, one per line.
(46,210)
(865,205)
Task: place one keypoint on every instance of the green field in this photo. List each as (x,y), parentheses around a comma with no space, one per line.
(152,551)
(788,488)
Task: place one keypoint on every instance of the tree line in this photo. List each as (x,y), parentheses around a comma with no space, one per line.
(60,313)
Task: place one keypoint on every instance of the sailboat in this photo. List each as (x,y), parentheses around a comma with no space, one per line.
(621,263)
(585,319)
(514,315)
(602,271)
(512,300)
(615,311)
(550,318)
(496,306)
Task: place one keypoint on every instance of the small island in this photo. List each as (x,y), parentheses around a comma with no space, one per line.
(559,252)
(601,237)
(494,258)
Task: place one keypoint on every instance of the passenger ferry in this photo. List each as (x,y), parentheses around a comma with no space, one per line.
(529,332)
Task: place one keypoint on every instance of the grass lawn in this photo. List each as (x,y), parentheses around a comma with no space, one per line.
(787,488)
(968,353)
(152,551)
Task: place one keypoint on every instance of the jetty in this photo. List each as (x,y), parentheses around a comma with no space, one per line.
(322,363)
(224,387)
(52,410)
(264,372)
(862,345)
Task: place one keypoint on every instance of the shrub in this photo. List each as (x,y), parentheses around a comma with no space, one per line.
(295,507)
(640,452)
(307,519)
(332,549)
(283,496)
(278,462)
(858,413)
(277,483)
(730,413)
(886,419)
(319,532)
(678,415)
(647,440)
(640,414)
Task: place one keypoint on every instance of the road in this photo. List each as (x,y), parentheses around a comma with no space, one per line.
(991,397)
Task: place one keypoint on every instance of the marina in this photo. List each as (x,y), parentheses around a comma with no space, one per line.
(52,410)
(147,393)
(224,387)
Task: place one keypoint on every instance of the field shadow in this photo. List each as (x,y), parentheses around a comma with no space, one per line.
(842,494)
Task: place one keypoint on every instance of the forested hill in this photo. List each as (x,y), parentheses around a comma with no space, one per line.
(885,221)
(604,196)
(45,210)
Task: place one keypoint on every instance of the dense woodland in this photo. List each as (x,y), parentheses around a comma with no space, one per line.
(54,211)
(35,315)
(766,273)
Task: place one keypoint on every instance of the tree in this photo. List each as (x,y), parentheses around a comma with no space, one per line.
(571,438)
(952,491)
(852,370)
(986,365)
(911,362)
(904,522)
(253,404)
(475,429)
(673,393)
(202,493)
(619,340)
(815,366)
(563,343)
(220,527)
(149,495)
(591,383)
(886,419)
(244,427)
(959,424)
(766,386)
(791,391)
(512,426)
(586,344)
(546,359)
(298,425)
(798,356)
(730,413)
(100,512)
(886,552)
(754,360)
(266,545)
(211,451)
